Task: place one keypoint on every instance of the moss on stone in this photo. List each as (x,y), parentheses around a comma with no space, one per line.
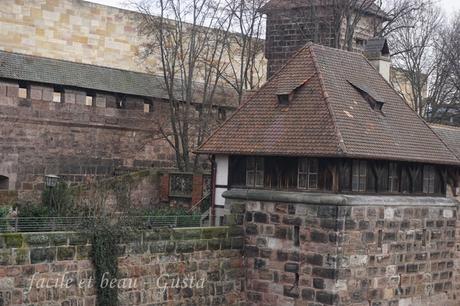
(13,240)
(83,252)
(214,244)
(65,253)
(78,239)
(58,239)
(37,239)
(214,232)
(21,256)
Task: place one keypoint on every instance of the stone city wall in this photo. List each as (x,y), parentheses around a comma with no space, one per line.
(73,140)
(338,250)
(148,261)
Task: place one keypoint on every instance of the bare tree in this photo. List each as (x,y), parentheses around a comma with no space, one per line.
(245,67)
(444,93)
(189,39)
(340,19)
(414,54)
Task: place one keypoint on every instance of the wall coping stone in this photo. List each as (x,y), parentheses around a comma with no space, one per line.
(336,199)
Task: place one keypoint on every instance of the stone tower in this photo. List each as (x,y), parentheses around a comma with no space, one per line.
(293,23)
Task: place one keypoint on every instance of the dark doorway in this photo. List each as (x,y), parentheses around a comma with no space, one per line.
(4,182)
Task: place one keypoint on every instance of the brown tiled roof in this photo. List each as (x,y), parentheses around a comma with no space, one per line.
(450,135)
(328,116)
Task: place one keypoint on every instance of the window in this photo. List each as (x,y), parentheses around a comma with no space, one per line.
(255,172)
(89,101)
(121,101)
(429,177)
(360,43)
(308,173)
(345,175)
(283,99)
(57,97)
(222,114)
(146,108)
(359,175)
(393,178)
(22,92)
(375,101)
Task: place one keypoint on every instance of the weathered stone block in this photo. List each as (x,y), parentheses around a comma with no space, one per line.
(39,255)
(13,240)
(65,253)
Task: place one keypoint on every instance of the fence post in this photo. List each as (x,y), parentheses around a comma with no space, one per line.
(16,224)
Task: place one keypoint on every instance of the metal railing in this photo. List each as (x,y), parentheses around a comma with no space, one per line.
(52,224)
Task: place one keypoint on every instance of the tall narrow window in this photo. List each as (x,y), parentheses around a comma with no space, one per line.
(222,114)
(359,175)
(255,172)
(57,96)
(89,101)
(308,173)
(22,92)
(345,175)
(393,178)
(429,176)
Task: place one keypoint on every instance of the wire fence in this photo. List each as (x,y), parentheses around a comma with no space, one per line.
(52,224)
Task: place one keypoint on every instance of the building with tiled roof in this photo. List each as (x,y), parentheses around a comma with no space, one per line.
(345,190)
(329,122)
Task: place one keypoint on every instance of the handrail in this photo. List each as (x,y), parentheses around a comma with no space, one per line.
(197,204)
(45,224)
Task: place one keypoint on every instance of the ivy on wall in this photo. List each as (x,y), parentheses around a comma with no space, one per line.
(104,254)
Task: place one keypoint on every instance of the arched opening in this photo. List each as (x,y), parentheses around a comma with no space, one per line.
(4,182)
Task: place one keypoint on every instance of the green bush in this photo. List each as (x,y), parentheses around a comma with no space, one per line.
(4,212)
(31,217)
(59,199)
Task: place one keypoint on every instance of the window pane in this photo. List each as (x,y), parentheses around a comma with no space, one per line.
(259,163)
(89,101)
(250,163)
(393,178)
(259,179)
(22,92)
(363,168)
(302,165)
(313,181)
(302,181)
(57,97)
(250,180)
(428,179)
(313,165)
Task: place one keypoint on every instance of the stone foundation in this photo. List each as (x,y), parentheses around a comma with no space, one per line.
(313,249)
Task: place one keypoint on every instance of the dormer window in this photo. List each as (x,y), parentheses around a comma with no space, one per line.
(375,102)
(283,99)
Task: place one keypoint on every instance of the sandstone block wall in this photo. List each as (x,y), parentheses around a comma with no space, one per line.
(209,253)
(330,254)
(73,30)
(84,32)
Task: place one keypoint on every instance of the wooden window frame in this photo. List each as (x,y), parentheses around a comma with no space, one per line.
(361,176)
(311,175)
(429,179)
(255,167)
(394,175)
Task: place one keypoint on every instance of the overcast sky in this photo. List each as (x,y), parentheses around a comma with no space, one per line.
(449,6)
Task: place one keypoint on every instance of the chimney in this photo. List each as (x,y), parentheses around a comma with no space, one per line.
(378,54)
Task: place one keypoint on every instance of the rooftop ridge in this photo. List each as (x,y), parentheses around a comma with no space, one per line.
(340,141)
